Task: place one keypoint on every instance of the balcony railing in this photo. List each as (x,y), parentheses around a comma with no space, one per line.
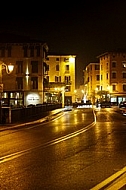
(53,85)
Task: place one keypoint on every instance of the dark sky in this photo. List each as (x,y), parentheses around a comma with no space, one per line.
(87,29)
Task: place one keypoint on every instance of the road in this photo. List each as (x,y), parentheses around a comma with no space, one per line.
(77,150)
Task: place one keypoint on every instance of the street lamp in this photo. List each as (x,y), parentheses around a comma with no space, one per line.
(75,93)
(9,68)
(63,94)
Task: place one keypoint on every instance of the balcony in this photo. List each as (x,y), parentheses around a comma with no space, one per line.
(49,85)
(68,82)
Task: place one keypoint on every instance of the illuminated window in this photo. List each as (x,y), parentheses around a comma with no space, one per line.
(67,88)
(66,59)
(5,95)
(113,99)
(98,87)
(124,64)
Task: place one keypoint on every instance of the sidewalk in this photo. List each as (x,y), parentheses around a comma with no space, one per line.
(51,115)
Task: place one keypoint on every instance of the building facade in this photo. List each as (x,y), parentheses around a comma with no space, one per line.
(91,81)
(24,85)
(60,79)
(106,80)
(113,75)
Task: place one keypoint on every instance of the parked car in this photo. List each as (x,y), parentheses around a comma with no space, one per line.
(105,104)
(122,104)
(122,107)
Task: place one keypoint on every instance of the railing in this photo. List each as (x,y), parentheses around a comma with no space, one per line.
(32,113)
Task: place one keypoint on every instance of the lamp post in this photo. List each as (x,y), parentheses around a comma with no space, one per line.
(63,94)
(9,68)
(75,93)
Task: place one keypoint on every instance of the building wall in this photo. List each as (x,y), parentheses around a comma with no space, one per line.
(22,96)
(119,58)
(104,69)
(112,77)
(90,81)
(67,76)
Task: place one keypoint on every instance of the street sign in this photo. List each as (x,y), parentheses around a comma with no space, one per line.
(1,87)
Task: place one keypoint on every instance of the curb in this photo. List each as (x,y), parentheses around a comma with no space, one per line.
(41,120)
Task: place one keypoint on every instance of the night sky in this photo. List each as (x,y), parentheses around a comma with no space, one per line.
(87,29)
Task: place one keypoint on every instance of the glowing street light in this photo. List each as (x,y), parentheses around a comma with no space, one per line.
(9,68)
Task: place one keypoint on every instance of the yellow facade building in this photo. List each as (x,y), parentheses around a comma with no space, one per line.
(60,78)
(38,77)
(113,75)
(91,81)
(112,78)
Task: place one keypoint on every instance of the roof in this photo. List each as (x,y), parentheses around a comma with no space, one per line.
(60,54)
(119,50)
(14,38)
